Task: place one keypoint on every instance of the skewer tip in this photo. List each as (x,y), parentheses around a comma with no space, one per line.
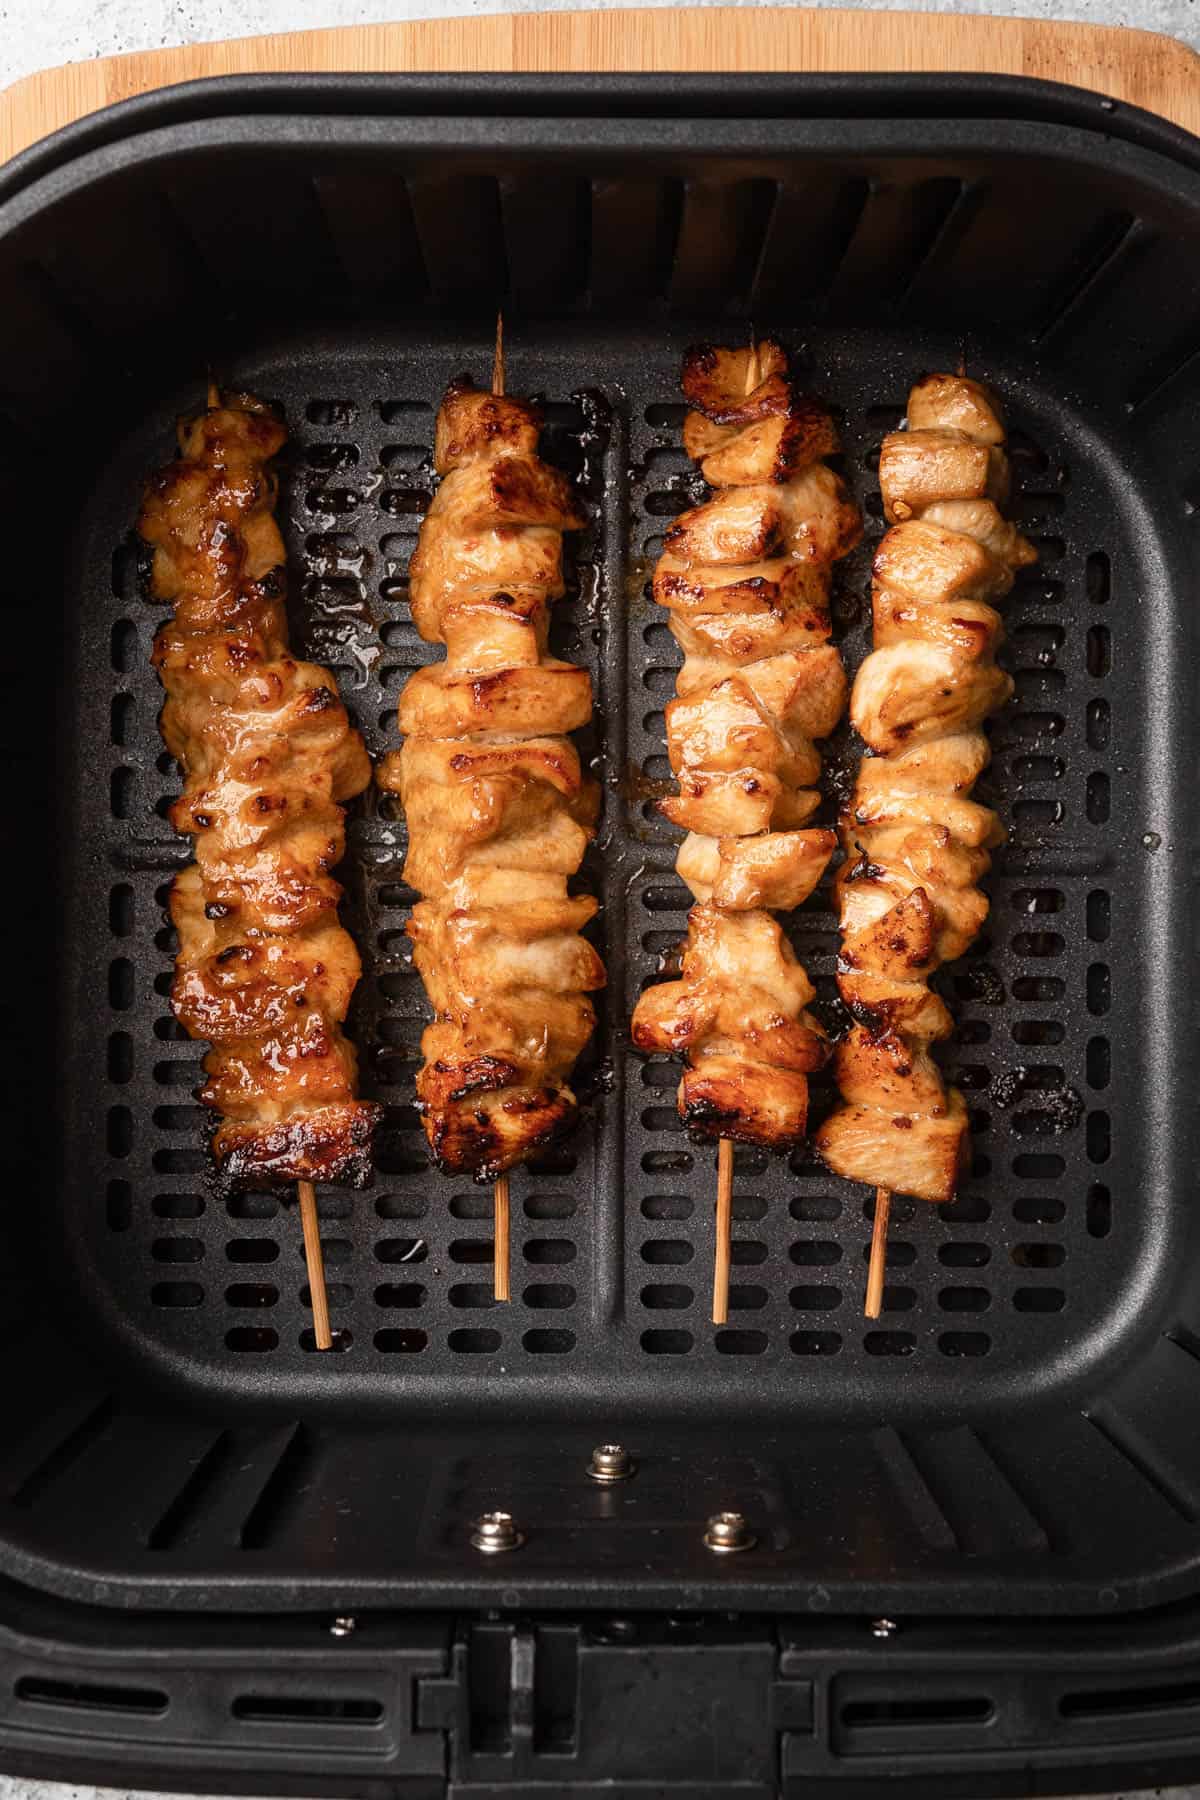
(315,1260)
(500,1194)
(752,367)
(722,1258)
(214,394)
(498,357)
(877,1269)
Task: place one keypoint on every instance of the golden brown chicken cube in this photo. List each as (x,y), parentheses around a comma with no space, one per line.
(534,812)
(887,1004)
(737,804)
(473,954)
(915,690)
(530,1032)
(933,564)
(728,728)
(230,983)
(970,630)
(551,697)
(907,1153)
(918,467)
(876,804)
(883,1068)
(955,403)
(472,1127)
(791,587)
(752,1103)
(517,492)
(983,521)
(958,908)
(738,1012)
(776,871)
(329,1143)
(740,525)
(730,389)
(490,564)
(779,447)
(948,765)
(473,424)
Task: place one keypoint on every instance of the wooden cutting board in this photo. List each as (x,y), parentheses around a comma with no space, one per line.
(1139,66)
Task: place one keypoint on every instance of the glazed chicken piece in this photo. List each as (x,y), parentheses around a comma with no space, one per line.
(917,845)
(264,970)
(745,578)
(499,811)
(737,1014)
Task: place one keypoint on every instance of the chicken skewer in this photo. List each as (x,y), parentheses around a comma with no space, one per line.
(501,1213)
(916,844)
(499,811)
(264,970)
(723,1248)
(746,580)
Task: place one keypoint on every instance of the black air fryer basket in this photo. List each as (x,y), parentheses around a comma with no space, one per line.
(226,1561)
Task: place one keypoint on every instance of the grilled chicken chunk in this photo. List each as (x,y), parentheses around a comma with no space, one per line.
(737,1015)
(776,871)
(745,578)
(264,970)
(916,844)
(499,812)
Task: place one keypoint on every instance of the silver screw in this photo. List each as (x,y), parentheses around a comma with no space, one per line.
(884,1628)
(727,1532)
(496,1531)
(343,1626)
(611,1462)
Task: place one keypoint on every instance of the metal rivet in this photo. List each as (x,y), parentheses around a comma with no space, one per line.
(611,1462)
(884,1628)
(496,1531)
(343,1626)
(727,1532)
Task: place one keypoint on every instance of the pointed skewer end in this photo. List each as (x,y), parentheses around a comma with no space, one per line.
(314,1258)
(501,1252)
(877,1268)
(721,1261)
(498,357)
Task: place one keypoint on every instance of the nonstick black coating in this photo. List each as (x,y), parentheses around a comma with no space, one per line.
(949,1453)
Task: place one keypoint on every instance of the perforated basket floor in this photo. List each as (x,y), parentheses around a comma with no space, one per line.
(613,1234)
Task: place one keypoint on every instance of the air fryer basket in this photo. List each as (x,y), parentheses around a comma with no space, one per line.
(1015,1434)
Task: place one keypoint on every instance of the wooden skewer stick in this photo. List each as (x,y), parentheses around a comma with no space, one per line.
(500,1196)
(500,1203)
(720,1306)
(724,1251)
(309,1223)
(316,1264)
(498,357)
(877,1269)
